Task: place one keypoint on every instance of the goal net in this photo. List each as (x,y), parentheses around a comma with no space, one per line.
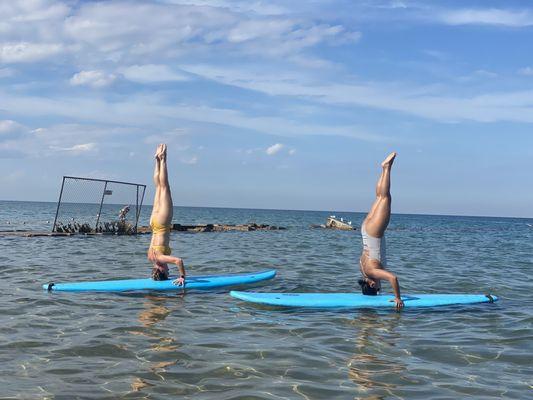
(89,205)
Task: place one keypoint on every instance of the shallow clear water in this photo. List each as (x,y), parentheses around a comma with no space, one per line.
(211,346)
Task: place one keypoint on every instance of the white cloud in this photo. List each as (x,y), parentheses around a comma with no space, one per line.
(9,126)
(151,73)
(6,72)
(190,161)
(485,74)
(275,148)
(173,136)
(439,55)
(28,52)
(490,16)
(96,79)
(527,71)
(257,7)
(397,4)
(10,130)
(101,140)
(145,111)
(249,30)
(426,102)
(83,147)
(34,10)
(66,136)
(292,152)
(77,148)
(131,31)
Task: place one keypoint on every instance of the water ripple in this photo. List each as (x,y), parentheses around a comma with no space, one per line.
(209,345)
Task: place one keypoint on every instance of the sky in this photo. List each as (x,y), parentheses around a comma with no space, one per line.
(273,104)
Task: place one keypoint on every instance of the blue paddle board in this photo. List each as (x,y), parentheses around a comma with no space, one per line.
(192,282)
(353,300)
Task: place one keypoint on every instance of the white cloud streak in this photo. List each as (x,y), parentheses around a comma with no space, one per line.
(8,126)
(274,149)
(144,111)
(96,79)
(77,148)
(126,32)
(256,7)
(190,160)
(28,52)
(422,102)
(490,16)
(527,71)
(151,73)
(6,72)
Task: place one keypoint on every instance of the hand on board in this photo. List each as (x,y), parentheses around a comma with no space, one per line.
(180,281)
(399,303)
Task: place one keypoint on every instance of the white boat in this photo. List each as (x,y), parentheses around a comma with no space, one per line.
(339,223)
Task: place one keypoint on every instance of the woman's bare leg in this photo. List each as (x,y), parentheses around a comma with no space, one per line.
(157,195)
(164,203)
(378,218)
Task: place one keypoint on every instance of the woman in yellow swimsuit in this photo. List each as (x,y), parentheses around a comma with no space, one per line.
(161,223)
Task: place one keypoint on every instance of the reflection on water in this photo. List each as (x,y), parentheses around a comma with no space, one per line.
(207,345)
(155,310)
(369,368)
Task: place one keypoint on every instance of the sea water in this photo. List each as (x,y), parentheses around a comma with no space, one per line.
(211,346)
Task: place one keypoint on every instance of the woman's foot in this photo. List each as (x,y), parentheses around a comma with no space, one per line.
(158,152)
(163,154)
(387,163)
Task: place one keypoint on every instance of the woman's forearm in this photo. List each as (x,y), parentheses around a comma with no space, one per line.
(395,287)
(181,267)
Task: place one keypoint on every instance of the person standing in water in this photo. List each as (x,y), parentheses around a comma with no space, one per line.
(161,223)
(373,259)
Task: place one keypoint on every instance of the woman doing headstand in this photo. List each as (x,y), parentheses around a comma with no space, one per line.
(373,259)
(161,223)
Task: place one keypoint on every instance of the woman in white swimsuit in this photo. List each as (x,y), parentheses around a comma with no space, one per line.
(373,259)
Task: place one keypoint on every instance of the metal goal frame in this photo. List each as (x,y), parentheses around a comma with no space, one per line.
(140,189)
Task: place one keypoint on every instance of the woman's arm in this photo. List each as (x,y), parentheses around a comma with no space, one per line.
(179,263)
(378,273)
(181,268)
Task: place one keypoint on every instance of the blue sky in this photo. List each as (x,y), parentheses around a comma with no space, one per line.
(274,104)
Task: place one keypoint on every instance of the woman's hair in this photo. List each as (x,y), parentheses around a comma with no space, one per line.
(367,289)
(158,275)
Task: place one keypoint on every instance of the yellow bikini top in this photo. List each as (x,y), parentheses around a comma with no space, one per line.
(159,228)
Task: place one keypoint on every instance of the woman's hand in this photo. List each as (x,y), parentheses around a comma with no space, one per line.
(180,281)
(399,303)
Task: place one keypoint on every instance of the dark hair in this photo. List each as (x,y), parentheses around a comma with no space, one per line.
(158,275)
(367,289)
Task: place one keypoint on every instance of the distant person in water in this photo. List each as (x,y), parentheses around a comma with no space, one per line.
(373,259)
(161,223)
(123,212)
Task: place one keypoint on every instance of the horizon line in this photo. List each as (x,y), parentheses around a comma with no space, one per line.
(300,210)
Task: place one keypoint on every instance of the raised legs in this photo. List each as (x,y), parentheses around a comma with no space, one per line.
(378,218)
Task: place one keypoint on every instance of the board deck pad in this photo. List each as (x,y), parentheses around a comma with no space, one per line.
(355,300)
(192,282)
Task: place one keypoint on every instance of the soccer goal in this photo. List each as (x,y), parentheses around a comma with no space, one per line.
(88,205)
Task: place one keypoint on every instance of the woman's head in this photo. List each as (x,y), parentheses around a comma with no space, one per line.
(159,272)
(368,287)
